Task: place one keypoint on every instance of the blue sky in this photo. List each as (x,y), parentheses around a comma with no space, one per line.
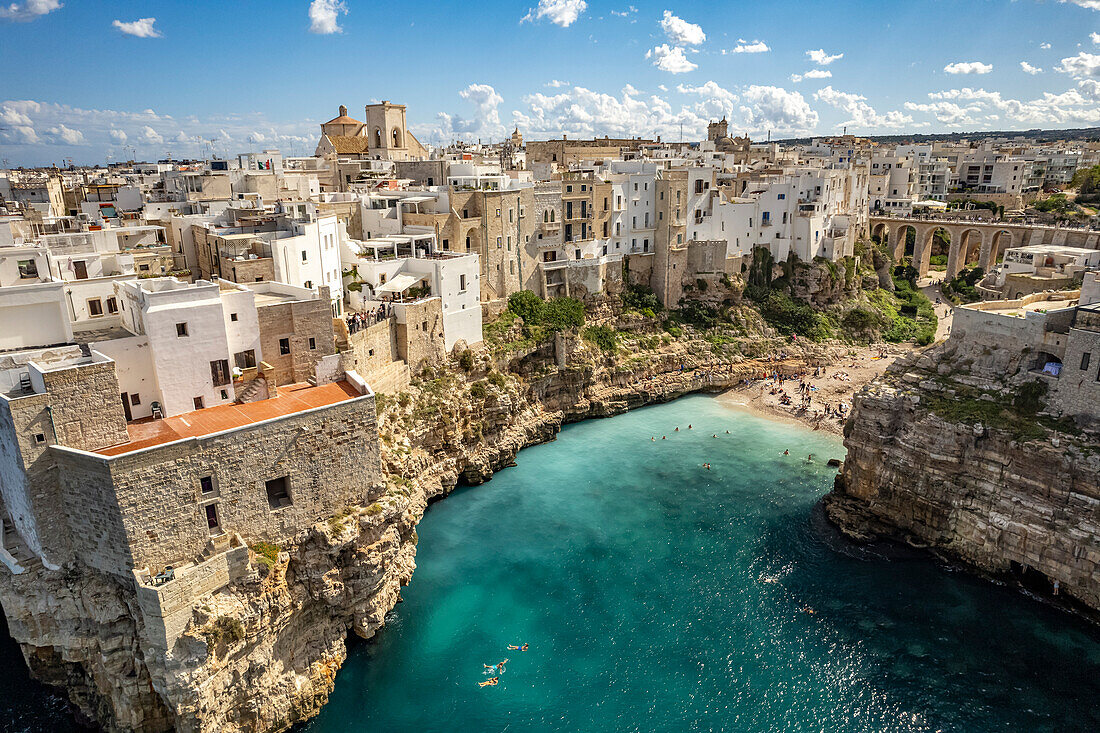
(90,79)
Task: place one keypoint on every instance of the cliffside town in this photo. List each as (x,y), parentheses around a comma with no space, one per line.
(229,389)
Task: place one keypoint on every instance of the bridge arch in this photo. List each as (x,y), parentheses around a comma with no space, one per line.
(880,231)
(999,240)
(899,241)
(967,245)
(923,253)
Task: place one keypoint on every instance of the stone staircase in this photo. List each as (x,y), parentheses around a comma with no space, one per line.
(254,390)
(15,554)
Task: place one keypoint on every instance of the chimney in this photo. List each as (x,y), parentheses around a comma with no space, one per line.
(343,111)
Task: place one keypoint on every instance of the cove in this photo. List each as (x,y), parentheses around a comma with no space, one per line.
(659,596)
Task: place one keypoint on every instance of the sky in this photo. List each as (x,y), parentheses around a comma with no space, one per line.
(96,81)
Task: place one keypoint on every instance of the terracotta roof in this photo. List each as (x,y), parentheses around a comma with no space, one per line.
(349,144)
(343,120)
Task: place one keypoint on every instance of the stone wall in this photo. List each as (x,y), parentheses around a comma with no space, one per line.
(85,405)
(373,353)
(167,609)
(329,456)
(299,321)
(420,337)
(249,271)
(1076,392)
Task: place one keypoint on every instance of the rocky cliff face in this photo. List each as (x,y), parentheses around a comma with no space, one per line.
(941,458)
(262,653)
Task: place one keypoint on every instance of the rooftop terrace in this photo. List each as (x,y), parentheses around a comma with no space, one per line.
(294,398)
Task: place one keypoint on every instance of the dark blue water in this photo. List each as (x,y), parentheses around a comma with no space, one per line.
(659,596)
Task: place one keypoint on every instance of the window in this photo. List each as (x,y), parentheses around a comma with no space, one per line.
(225,394)
(511,215)
(284,346)
(206,484)
(28,269)
(181,330)
(313,343)
(424,326)
(498,212)
(95,307)
(197,401)
(499,244)
(512,267)
(278,492)
(461,282)
(509,244)
(782,196)
(211,516)
(245,359)
(1085,357)
(303,255)
(219,372)
(135,399)
(112,305)
(233,316)
(39,438)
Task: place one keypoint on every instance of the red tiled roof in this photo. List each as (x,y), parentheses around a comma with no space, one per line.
(292,399)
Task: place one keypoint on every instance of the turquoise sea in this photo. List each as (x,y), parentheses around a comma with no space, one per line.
(657,595)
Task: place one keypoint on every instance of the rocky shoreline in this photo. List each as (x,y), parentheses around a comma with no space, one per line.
(262,654)
(1017,502)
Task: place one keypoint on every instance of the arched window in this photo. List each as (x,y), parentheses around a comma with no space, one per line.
(377,138)
(395,136)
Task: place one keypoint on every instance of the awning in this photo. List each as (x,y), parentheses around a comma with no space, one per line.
(398,284)
(931,204)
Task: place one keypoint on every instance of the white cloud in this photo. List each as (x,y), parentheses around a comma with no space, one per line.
(630,10)
(958,106)
(484,123)
(66,135)
(812,74)
(672,60)
(1082,66)
(559,12)
(821,58)
(680,31)
(323,16)
(1094,37)
(151,136)
(1029,69)
(557,83)
(777,108)
(716,100)
(1044,46)
(1090,4)
(862,114)
(968,67)
(140,28)
(744,46)
(28,10)
(28,129)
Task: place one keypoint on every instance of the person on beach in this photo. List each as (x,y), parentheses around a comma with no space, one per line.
(489,682)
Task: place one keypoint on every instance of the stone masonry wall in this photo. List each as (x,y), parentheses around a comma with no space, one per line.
(298,321)
(420,338)
(92,513)
(330,456)
(86,406)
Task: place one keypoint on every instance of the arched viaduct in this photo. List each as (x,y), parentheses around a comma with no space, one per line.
(972,241)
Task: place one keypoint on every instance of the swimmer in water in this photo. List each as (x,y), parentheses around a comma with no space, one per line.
(786,452)
(488,667)
(489,682)
(689,426)
(677,429)
(808,610)
(513,647)
(715,435)
(664,437)
(500,666)
(727,432)
(653,439)
(810,458)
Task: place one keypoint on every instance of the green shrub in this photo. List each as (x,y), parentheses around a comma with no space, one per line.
(466,360)
(860,319)
(374,509)
(641,298)
(478,391)
(789,317)
(1028,397)
(498,380)
(266,552)
(224,628)
(526,305)
(542,316)
(603,337)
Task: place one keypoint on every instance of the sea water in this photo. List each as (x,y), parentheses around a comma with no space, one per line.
(658,595)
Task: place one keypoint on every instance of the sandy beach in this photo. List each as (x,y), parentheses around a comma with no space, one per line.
(829,393)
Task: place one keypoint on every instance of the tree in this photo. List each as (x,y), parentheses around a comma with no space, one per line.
(1087,180)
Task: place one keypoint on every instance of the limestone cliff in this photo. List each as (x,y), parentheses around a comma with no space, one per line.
(942,456)
(261,653)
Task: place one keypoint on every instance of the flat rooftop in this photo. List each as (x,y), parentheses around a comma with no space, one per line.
(1039,305)
(294,398)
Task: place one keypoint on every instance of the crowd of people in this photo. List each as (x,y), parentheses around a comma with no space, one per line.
(358,321)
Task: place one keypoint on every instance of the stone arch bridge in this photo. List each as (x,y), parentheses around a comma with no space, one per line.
(971,241)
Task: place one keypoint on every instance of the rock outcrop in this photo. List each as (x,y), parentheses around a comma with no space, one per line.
(261,653)
(943,458)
